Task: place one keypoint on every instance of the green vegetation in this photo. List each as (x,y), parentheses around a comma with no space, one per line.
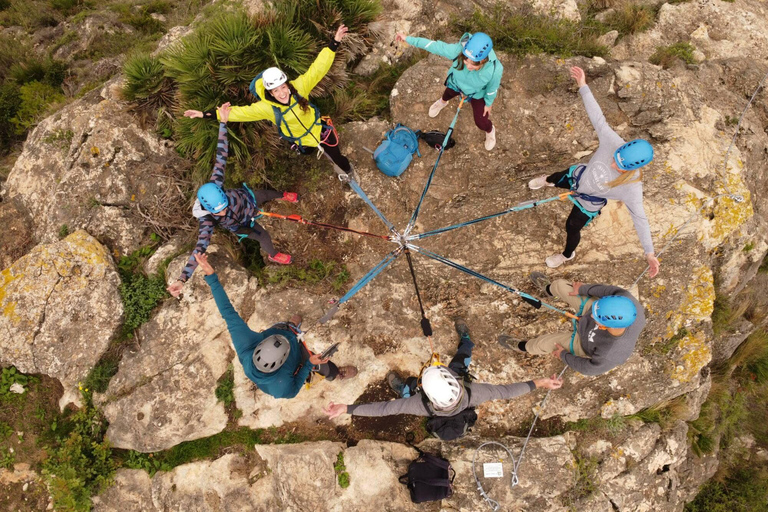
(341,471)
(584,472)
(60,138)
(316,272)
(63,231)
(521,31)
(629,18)
(666,56)
(225,388)
(8,378)
(665,347)
(744,490)
(748,246)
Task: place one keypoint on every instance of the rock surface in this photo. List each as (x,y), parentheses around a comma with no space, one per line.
(59,308)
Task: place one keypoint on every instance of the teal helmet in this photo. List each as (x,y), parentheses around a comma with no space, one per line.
(614,311)
(212,197)
(633,155)
(478,47)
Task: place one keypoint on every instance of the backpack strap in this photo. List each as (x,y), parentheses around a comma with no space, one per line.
(434,482)
(436,461)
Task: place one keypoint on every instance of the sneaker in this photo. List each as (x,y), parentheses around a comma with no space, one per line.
(540,182)
(511,343)
(291,197)
(436,107)
(347,372)
(396,383)
(461,328)
(558,259)
(283,259)
(295,320)
(490,139)
(540,281)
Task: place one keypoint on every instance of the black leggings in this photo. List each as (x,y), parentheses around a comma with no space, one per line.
(257,232)
(576,220)
(331,148)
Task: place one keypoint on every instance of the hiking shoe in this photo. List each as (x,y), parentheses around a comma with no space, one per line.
(347,372)
(295,320)
(436,107)
(461,328)
(291,197)
(511,343)
(490,139)
(558,259)
(540,281)
(396,382)
(281,258)
(540,182)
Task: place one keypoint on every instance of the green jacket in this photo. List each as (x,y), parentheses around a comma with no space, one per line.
(293,115)
(481,84)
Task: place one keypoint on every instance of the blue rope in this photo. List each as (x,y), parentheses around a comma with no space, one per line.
(519,207)
(364,197)
(412,222)
(371,274)
(533,301)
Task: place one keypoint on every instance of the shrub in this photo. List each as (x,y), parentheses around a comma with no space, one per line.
(341,471)
(225,388)
(140,294)
(666,56)
(632,18)
(36,99)
(521,31)
(746,490)
(146,82)
(316,272)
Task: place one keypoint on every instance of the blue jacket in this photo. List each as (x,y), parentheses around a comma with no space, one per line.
(482,84)
(286,382)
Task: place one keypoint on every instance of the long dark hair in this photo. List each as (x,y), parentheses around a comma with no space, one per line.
(301,100)
(459,62)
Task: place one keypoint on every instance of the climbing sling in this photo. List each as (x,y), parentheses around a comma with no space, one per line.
(573,178)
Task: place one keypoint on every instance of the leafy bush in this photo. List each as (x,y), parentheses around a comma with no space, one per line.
(146,82)
(8,378)
(746,490)
(225,388)
(140,294)
(666,56)
(632,18)
(521,31)
(36,98)
(146,461)
(341,471)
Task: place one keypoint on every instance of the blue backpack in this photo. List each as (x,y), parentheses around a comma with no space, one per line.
(396,152)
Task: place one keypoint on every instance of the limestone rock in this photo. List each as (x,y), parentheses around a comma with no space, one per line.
(608,39)
(16,240)
(60,307)
(164,391)
(558,9)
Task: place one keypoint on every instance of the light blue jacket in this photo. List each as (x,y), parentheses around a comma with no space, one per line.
(482,84)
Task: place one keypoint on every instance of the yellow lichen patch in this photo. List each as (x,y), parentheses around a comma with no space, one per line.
(83,245)
(696,355)
(698,302)
(8,307)
(730,214)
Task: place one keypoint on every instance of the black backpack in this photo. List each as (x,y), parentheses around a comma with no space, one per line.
(448,428)
(429,478)
(435,139)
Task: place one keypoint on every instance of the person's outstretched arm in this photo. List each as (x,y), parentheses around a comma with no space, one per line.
(205,231)
(484,392)
(605,133)
(319,68)
(222,148)
(449,51)
(411,405)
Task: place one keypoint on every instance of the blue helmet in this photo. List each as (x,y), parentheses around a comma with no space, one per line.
(614,311)
(478,47)
(212,197)
(633,155)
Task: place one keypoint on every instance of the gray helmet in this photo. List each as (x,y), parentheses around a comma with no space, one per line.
(271,353)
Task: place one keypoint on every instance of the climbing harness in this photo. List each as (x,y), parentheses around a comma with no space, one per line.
(574,177)
(415,215)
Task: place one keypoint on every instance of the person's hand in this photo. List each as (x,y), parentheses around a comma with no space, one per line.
(487,110)
(335,410)
(653,262)
(400,37)
(340,33)
(317,361)
(551,383)
(578,74)
(202,261)
(576,287)
(193,113)
(224,112)
(558,350)
(175,289)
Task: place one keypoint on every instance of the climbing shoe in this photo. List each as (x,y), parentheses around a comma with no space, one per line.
(511,343)
(540,182)
(291,197)
(396,383)
(558,259)
(281,258)
(490,139)
(436,107)
(347,372)
(540,281)
(461,328)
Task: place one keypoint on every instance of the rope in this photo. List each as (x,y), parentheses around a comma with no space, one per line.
(513,479)
(356,187)
(519,207)
(412,222)
(300,220)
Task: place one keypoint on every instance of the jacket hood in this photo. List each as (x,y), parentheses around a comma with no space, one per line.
(261,93)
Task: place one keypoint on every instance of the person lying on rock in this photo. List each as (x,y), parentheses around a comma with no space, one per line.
(273,359)
(442,391)
(232,209)
(475,73)
(611,173)
(284,103)
(610,322)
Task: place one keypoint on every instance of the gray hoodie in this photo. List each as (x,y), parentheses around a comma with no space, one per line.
(599,173)
(415,405)
(605,350)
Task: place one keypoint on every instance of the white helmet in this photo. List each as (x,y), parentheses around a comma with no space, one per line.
(273,78)
(441,387)
(271,353)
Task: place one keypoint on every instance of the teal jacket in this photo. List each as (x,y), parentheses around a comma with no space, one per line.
(482,84)
(286,382)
